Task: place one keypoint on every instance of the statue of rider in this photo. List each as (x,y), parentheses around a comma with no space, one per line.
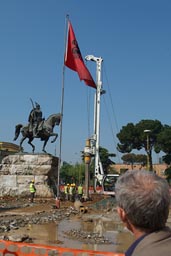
(35,117)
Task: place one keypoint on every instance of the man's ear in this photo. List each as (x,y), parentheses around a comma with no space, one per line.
(121,214)
(124,218)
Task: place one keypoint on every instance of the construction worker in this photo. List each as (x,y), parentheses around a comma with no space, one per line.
(80,192)
(74,190)
(66,191)
(71,192)
(32,191)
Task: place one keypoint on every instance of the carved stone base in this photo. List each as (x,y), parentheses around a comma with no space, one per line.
(16,172)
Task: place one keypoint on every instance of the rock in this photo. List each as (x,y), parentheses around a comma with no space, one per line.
(77,205)
(18,238)
(16,172)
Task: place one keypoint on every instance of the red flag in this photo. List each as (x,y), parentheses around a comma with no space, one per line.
(74,60)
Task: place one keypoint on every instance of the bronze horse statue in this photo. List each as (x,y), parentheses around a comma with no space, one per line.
(45,130)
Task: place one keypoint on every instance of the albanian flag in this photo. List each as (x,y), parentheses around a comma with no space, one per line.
(74,60)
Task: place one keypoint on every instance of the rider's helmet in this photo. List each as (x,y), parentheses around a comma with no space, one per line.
(37,105)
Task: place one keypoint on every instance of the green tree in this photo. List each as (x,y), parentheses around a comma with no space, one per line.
(72,173)
(133,137)
(164,143)
(141,159)
(129,158)
(80,172)
(168,174)
(105,159)
(133,159)
(65,172)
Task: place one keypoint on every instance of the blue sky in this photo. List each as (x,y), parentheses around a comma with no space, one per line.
(133,38)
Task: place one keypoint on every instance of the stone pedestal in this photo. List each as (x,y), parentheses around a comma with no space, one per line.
(16,172)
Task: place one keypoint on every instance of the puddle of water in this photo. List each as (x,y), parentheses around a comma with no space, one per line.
(53,234)
(108,226)
(120,240)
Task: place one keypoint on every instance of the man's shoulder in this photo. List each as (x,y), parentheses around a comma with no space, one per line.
(157,243)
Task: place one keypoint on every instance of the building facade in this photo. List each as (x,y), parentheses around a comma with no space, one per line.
(157,168)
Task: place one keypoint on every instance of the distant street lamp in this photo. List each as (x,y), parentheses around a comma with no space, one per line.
(148,149)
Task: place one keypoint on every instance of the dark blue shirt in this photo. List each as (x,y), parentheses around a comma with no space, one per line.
(134,245)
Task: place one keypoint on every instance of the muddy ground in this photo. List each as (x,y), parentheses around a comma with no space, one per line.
(96,226)
(17,213)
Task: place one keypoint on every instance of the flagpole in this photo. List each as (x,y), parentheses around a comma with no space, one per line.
(62,108)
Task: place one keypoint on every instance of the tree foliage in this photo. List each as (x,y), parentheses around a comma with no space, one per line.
(133,159)
(168,174)
(76,173)
(164,139)
(105,158)
(133,137)
(72,173)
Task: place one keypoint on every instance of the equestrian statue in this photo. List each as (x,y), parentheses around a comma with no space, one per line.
(38,127)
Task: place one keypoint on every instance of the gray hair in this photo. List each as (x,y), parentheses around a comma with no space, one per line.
(145,198)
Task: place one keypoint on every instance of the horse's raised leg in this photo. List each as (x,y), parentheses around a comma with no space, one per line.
(56,136)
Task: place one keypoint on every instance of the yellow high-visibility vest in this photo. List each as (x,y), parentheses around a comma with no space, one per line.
(80,190)
(32,188)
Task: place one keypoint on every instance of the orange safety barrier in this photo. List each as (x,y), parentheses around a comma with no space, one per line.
(8,248)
